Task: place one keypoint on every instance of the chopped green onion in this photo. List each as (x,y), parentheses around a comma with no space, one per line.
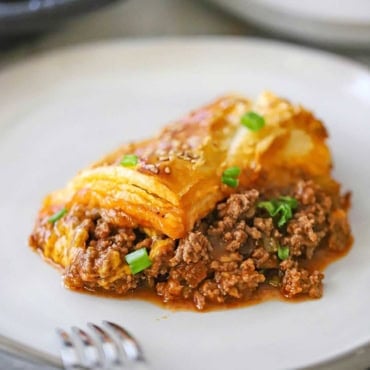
(231,172)
(285,213)
(230,176)
(138,260)
(252,121)
(283,252)
(293,203)
(58,215)
(282,207)
(230,181)
(269,206)
(129,160)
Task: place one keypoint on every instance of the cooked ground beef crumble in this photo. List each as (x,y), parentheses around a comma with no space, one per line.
(227,255)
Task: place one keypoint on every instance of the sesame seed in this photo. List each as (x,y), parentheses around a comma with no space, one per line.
(167,170)
(160,152)
(163,158)
(193,155)
(184,157)
(151,168)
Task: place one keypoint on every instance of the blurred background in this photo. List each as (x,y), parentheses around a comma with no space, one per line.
(34,26)
(29,26)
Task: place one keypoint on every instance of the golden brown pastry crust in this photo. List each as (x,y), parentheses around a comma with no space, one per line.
(178,178)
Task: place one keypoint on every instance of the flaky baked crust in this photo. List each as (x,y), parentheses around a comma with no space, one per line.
(178,178)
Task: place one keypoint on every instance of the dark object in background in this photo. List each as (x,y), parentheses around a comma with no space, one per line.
(21,17)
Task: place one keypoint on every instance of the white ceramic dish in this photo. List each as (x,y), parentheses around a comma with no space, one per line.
(63,110)
(326,22)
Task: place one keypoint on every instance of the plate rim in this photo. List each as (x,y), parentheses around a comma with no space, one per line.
(88,46)
(238,40)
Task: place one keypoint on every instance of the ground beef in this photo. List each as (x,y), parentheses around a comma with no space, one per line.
(192,249)
(161,252)
(310,223)
(226,257)
(189,267)
(98,263)
(260,257)
(237,245)
(297,280)
(240,279)
(211,292)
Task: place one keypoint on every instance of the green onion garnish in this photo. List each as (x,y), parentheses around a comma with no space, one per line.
(58,215)
(138,260)
(230,181)
(269,206)
(230,177)
(281,207)
(232,172)
(252,121)
(285,212)
(283,252)
(293,203)
(129,160)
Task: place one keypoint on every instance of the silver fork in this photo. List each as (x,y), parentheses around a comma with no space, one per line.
(106,347)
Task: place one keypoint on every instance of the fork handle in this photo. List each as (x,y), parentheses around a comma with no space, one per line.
(25,352)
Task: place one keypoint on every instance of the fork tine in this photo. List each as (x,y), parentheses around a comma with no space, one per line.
(110,349)
(130,345)
(70,354)
(105,349)
(92,357)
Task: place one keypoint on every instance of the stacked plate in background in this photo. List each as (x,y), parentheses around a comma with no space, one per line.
(326,22)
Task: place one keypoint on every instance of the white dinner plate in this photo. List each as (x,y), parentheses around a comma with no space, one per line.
(62,110)
(327,22)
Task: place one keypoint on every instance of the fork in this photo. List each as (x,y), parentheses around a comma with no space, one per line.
(109,346)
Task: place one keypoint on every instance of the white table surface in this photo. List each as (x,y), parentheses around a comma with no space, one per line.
(152,18)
